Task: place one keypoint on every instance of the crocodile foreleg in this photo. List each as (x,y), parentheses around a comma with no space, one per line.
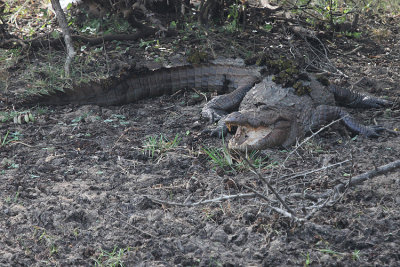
(222,105)
(324,114)
(219,107)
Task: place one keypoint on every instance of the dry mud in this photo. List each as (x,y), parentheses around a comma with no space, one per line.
(78,187)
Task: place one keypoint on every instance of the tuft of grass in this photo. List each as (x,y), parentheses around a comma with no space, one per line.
(230,162)
(41,236)
(220,157)
(111,259)
(23,116)
(356,255)
(7,115)
(9,137)
(48,76)
(258,160)
(308,260)
(330,252)
(158,145)
(14,199)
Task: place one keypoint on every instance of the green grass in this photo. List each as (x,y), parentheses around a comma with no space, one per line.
(41,236)
(220,157)
(229,161)
(9,137)
(158,145)
(7,115)
(308,260)
(355,255)
(13,199)
(111,259)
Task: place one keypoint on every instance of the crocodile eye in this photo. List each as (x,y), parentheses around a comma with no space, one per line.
(260,104)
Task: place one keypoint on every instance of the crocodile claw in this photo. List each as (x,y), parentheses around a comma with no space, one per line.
(213,115)
(374,131)
(220,131)
(377,102)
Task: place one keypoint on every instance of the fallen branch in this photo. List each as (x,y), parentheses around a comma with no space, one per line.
(359,179)
(150,16)
(333,195)
(43,40)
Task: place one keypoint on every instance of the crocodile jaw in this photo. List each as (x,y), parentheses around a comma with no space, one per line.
(248,138)
(258,130)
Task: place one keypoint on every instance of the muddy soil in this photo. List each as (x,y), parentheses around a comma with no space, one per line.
(80,186)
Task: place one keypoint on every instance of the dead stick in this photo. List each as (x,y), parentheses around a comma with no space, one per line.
(292,176)
(134,227)
(287,214)
(214,200)
(368,175)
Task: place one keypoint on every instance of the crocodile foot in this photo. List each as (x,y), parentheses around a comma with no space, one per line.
(373,131)
(211,111)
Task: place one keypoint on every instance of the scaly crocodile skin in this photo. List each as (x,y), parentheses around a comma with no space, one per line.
(269,115)
(151,83)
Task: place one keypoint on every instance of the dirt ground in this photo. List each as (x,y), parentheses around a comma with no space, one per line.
(79,185)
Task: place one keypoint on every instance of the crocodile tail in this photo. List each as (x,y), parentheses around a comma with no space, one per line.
(80,94)
(145,83)
(111,91)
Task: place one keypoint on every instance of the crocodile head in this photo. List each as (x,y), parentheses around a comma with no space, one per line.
(261,129)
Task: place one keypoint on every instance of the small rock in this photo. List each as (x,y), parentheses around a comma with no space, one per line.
(219,236)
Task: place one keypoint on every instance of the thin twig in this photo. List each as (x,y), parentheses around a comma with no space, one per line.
(267,183)
(316,58)
(22,143)
(353,51)
(134,227)
(200,93)
(300,174)
(287,214)
(317,208)
(202,202)
(307,139)
(119,138)
(347,185)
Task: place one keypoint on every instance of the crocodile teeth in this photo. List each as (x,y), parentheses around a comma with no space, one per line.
(247,138)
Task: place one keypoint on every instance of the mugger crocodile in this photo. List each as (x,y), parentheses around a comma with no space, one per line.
(271,115)
(266,114)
